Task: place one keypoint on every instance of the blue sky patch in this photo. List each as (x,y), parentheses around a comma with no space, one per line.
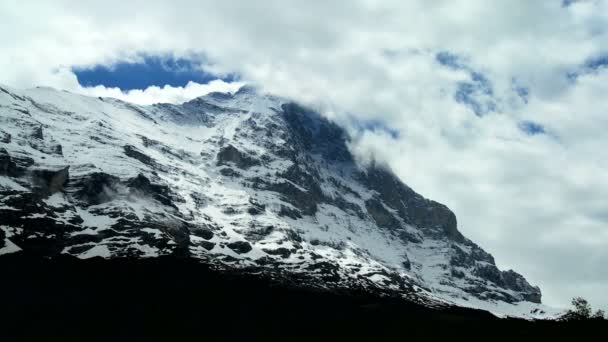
(477,94)
(152,71)
(449,60)
(531,128)
(597,62)
(466,95)
(566,3)
(590,66)
(374,126)
(521,91)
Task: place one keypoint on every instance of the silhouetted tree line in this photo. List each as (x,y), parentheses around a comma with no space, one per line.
(582,311)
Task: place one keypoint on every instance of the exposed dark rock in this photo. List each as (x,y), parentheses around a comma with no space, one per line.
(534,296)
(294,237)
(327,270)
(14,96)
(343,188)
(289,212)
(139,111)
(414,209)
(348,206)
(494,296)
(265,260)
(82,239)
(206,245)
(57,149)
(246,89)
(315,256)
(5,138)
(230,154)
(517,282)
(306,201)
(489,272)
(37,133)
(316,135)
(199,200)
(457,273)
(305,196)
(228,172)
(179,154)
(241,247)
(340,245)
(461,258)
(482,265)
(406,236)
(229,211)
(258,232)
(23,111)
(256,208)
(149,142)
(141,185)
(48,182)
(479,254)
(7,166)
(26,202)
(133,152)
(382,216)
(179,231)
(13,166)
(40,234)
(203,232)
(219,96)
(97,188)
(282,252)
(200,106)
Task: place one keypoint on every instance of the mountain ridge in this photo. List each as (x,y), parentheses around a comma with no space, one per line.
(244,180)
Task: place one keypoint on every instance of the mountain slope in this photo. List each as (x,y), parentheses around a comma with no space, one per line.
(247,181)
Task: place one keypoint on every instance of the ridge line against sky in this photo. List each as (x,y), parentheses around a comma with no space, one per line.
(495,109)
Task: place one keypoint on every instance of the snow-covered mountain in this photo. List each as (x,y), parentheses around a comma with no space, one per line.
(246,180)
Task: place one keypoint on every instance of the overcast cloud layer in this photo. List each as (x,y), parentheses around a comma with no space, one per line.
(496,108)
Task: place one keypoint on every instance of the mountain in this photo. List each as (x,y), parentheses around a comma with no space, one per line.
(246,181)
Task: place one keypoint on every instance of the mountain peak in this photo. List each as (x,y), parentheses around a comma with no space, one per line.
(247,89)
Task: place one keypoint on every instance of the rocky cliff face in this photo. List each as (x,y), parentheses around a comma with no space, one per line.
(244,180)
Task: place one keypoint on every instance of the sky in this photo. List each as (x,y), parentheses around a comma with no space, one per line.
(496,109)
(149,71)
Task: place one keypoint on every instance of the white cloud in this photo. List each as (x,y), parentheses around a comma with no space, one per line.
(536,202)
(165,94)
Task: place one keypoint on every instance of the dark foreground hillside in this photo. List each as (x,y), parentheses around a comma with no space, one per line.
(169,298)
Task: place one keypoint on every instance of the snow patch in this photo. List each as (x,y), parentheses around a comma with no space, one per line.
(7,183)
(96,251)
(9,247)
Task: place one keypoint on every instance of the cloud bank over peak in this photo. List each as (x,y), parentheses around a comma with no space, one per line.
(495,109)
(165,94)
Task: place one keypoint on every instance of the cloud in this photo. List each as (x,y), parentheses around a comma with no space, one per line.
(536,201)
(165,94)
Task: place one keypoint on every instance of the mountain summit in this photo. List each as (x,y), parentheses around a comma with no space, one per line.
(244,181)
